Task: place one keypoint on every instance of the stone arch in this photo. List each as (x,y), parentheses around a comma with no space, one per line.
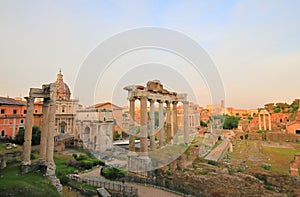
(86,134)
(2,133)
(62,127)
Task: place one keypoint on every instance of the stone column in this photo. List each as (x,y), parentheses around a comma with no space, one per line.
(161,123)
(45,130)
(265,124)
(270,127)
(152,125)
(175,122)
(132,125)
(50,139)
(143,123)
(185,122)
(28,131)
(259,121)
(168,122)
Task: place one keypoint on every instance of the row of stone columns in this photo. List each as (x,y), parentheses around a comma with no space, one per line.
(143,123)
(47,134)
(48,92)
(264,121)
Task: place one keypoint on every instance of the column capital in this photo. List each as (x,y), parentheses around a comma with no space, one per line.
(174,102)
(151,101)
(29,99)
(160,101)
(132,99)
(185,102)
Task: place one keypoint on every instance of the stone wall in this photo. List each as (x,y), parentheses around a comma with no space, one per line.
(283,137)
(294,165)
(255,136)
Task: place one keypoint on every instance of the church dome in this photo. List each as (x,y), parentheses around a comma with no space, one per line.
(63,91)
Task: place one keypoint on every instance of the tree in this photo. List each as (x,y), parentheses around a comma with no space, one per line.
(36,136)
(203,124)
(231,122)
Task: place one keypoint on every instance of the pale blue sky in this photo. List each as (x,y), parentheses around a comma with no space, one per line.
(254,44)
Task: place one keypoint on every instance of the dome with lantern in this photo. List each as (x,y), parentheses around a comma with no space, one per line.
(63,92)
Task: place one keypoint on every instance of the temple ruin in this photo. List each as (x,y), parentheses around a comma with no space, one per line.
(48,93)
(154,92)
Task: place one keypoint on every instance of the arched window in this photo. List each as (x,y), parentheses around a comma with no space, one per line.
(2,133)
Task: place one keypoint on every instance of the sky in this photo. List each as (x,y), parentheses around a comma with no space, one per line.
(255,46)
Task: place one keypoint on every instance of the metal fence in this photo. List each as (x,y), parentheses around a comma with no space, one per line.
(109,185)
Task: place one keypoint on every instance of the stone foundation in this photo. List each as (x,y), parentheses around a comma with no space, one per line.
(294,165)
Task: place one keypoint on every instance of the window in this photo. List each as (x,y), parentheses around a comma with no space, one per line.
(35,111)
(15,111)
(63,109)
(2,111)
(22,121)
(2,133)
(298,132)
(25,111)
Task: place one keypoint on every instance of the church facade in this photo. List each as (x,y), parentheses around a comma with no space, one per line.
(65,108)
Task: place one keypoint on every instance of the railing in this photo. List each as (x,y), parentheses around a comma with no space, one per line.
(109,185)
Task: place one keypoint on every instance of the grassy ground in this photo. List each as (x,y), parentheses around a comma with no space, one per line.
(33,184)
(61,168)
(256,156)
(4,150)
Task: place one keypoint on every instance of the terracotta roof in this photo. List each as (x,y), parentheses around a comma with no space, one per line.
(10,101)
(101,105)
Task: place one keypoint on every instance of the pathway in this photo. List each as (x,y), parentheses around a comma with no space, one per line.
(143,191)
(218,151)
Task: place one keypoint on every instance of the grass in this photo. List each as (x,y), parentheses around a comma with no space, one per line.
(32,184)
(4,150)
(279,158)
(62,169)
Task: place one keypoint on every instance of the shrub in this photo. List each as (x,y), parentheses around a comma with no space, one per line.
(240,170)
(85,164)
(266,166)
(75,156)
(98,162)
(230,171)
(214,163)
(64,180)
(113,173)
(204,172)
(82,157)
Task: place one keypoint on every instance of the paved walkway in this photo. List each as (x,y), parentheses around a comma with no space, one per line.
(143,191)
(148,191)
(217,152)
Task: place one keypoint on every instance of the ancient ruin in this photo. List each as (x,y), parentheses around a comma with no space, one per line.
(264,113)
(95,127)
(154,92)
(48,93)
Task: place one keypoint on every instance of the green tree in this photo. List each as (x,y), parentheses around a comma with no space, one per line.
(203,124)
(230,122)
(36,136)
